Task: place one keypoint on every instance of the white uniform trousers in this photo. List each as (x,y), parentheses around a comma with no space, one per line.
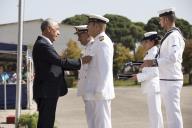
(98,113)
(154,108)
(170,93)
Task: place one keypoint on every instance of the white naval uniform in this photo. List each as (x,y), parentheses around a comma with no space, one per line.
(171,77)
(83,71)
(149,78)
(97,88)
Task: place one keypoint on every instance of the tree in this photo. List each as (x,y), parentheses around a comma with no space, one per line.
(76,20)
(153,25)
(122,30)
(117,28)
(137,33)
(141,24)
(139,55)
(187,59)
(72,51)
(185,27)
(121,56)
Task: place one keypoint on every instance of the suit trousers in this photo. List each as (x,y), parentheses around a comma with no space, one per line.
(46,108)
(154,108)
(98,113)
(170,93)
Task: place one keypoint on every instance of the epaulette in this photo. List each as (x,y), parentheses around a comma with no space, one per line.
(101,38)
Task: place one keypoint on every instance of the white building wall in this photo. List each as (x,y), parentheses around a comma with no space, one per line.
(9,33)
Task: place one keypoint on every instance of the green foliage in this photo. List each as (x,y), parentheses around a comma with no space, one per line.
(186,80)
(29,120)
(153,25)
(185,27)
(118,25)
(128,82)
(137,32)
(139,55)
(72,51)
(121,55)
(141,24)
(122,30)
(70,81)
(122,83)
(126,33)
(76,20)
(187,56)
(187,59)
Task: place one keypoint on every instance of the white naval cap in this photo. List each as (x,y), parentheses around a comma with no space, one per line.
(151,36)
(81,29)
(97,18)
(165,12)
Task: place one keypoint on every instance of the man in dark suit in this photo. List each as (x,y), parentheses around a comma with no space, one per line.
(49,82)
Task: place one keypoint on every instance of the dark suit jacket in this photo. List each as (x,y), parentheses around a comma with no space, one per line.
(49,68)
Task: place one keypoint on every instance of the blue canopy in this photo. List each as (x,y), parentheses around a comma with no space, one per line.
(10,47)
(8,52)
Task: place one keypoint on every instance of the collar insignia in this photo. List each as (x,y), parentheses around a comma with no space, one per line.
(101,38)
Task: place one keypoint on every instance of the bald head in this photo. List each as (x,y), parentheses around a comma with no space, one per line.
(48,23)
(50,29)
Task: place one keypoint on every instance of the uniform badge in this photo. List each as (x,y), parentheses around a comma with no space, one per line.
(101,38)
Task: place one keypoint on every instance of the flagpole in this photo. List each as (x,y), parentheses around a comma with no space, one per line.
(19,61)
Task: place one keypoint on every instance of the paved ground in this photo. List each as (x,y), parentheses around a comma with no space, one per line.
(129,110)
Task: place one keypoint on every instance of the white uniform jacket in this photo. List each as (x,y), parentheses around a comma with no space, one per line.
(170,57)
(98,81)
(83,71)
(149,77)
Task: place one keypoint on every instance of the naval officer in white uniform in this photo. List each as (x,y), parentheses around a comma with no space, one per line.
(87,43)
(170,68)
(149,78)
(98,88)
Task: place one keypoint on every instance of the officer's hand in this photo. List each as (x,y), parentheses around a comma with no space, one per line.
(147,63)
(86,59)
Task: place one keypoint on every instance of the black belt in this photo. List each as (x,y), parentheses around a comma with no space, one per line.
(171,79)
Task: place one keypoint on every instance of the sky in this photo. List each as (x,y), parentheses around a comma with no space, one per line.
(135,10)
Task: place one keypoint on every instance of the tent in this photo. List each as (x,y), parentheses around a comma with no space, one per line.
(8,55)
(8,52)
(10,47)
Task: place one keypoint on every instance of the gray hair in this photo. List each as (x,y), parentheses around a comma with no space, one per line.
(46,23)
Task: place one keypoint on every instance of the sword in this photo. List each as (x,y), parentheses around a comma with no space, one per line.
(131,64)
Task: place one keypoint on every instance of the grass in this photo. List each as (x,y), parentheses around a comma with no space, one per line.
(186,79)
(29,120)
(128,83)
(125,83)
